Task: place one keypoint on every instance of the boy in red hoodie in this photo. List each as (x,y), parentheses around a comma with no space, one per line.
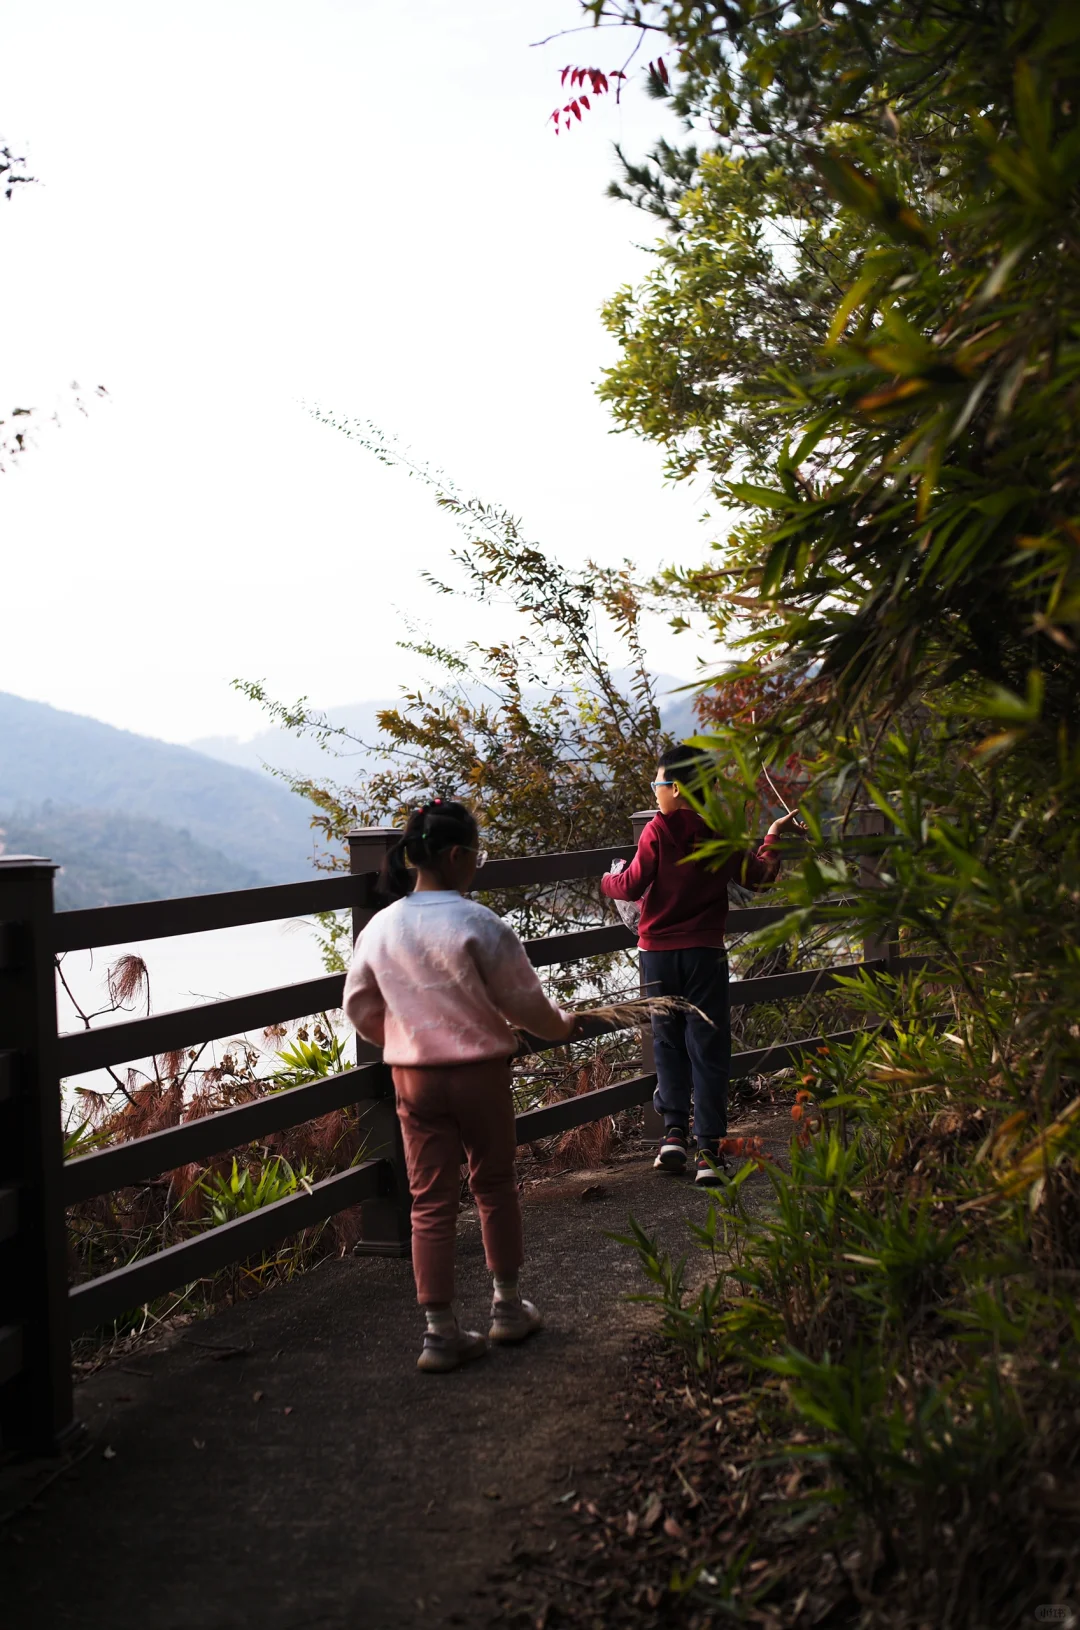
(684,908)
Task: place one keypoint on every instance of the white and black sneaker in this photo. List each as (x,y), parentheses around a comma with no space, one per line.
(671,1156)
(712,1166)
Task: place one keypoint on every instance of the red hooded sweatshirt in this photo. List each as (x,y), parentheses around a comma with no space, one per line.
(684,905)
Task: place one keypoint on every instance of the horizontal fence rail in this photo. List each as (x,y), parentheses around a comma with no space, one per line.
(781,987)
(141,1159)
(237,908)
(83,1050)
(550,1119)
(131,1286)
(203,913)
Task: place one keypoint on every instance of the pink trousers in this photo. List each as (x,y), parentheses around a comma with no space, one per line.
(450,1113)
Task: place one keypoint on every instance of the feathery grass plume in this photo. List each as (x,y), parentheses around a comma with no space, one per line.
(635,1011)
(631,1014)
(128,980)
(151,1107)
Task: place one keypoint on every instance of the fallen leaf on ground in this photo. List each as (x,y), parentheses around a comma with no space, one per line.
(257,1397)
(109,1453)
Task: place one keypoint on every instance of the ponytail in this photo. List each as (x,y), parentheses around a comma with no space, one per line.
(430,829)
(395,878)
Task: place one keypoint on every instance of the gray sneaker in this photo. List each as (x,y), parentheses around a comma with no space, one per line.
(513,1321)
(442,1353)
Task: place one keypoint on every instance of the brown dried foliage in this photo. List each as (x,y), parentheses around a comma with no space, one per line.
(128,981)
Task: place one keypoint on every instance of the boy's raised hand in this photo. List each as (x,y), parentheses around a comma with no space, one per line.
(788,826)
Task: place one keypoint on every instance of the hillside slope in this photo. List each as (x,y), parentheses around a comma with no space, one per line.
(76,763)
(109,859)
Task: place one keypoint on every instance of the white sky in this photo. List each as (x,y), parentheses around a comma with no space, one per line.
(248,202)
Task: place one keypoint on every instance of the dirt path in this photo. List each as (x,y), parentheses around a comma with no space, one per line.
(318,1479)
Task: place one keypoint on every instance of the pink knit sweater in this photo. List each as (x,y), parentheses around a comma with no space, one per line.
(438,979)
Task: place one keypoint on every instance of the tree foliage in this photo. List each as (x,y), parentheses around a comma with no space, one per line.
(862,328)
(551,734)
(871,294)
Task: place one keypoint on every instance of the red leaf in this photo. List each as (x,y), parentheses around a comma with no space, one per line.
(565,71)
(585,101)
(661,69)
(575,110)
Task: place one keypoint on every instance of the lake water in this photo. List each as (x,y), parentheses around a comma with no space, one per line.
(191,969)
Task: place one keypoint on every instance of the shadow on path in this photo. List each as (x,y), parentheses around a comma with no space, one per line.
(319,1479)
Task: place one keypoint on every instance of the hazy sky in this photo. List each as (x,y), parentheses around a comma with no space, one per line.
(246,203)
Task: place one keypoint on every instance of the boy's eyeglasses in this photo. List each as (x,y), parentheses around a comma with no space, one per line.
(655,784)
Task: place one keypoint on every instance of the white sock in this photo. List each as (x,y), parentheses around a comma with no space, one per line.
(506,1290)
(441,1321)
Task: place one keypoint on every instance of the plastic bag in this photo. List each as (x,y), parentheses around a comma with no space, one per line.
(629,910)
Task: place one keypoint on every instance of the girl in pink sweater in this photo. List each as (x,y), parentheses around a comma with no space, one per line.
(439,982)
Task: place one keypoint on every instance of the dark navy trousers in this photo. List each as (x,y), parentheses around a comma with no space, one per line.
(693,1056)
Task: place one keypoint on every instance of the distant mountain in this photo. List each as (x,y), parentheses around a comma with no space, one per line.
(109,859)
(251,822)
(302,755)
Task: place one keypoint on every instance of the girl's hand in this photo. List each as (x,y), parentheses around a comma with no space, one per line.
(788,826)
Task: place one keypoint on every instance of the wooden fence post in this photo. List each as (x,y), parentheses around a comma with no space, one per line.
(653,1124)
(882,947)
(36,1410)
(385,1221)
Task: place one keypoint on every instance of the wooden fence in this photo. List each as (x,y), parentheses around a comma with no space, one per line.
(39,1313)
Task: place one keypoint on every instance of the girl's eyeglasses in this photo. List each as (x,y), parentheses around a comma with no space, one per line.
(481,857)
